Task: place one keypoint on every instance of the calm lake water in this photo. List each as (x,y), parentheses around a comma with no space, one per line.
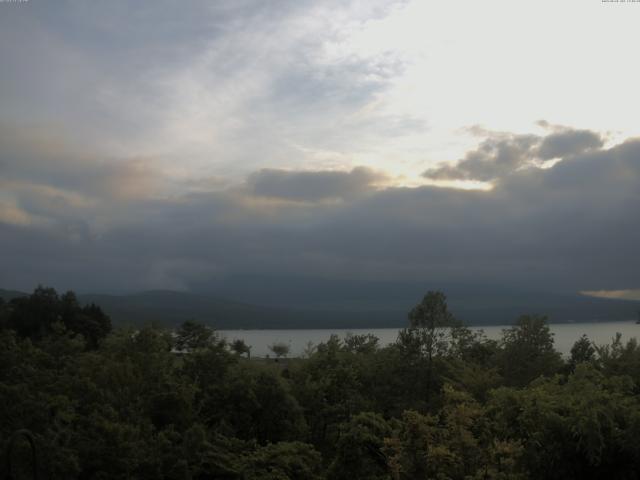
(564,335)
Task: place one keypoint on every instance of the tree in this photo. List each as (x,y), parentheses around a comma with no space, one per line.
(450,445)
(581,426)
(34,316)
(329,388)
(430,324)
(240,347)
(432,320)
(359,450)
(363,343)
(4,314)
(192,335)
(309,349)
(620,358)
(582,351)
(528,351)
(280,349)
(89,321)
(284,461)
(278,415)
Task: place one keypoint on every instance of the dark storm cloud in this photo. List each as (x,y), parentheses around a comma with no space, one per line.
(494,158)
(571,227)
(313,186)
(568,142)
(502,154)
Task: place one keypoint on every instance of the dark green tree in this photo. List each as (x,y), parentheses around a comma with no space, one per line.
(89,321)
(582,351)
(240,347)
(363,343)
(528,351)
(433,321)
(284,461)
(451,444)
(192,335)
(359,450)
(329,387)
(4,314)
(280,349)
(620,358)
(34,316)
(430,327)
(578,426)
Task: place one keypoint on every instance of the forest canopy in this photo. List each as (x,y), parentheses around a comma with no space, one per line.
(442,402)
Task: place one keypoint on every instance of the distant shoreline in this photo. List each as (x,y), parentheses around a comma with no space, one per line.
(565,335)
(473,326)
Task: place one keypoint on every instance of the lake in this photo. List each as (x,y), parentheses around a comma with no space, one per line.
(564,335)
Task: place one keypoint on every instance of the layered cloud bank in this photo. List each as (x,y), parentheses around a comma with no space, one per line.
(503,153)
(155,144)
(71,218)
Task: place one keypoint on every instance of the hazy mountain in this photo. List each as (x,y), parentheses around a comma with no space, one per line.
(473,303)
(315,303)
(171,307)
(9,294)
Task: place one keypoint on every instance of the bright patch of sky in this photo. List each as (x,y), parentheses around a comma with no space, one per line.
(614,294)
(222,91)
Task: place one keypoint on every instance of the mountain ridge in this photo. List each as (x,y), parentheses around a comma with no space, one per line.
(170,307)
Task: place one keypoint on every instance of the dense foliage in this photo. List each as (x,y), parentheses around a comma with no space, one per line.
(442,402)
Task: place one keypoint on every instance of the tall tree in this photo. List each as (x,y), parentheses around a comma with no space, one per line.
(280,349)
(89,321)
(359,449)
(192,335)
(34,316)
(528,351)
(582,351)
(240,347)
(430,325)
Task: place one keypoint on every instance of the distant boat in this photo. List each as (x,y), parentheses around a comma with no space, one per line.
(638,320)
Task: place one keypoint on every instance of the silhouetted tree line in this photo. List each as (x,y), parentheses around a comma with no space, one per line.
(42,312)
(442,402)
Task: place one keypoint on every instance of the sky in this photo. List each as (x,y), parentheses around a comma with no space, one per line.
(169,145)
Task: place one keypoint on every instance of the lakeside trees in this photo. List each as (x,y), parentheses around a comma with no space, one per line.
(39,314)
(447,405)
(280,349)
(527,351)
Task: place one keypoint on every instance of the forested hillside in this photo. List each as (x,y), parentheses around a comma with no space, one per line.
(311,304)
(441,402)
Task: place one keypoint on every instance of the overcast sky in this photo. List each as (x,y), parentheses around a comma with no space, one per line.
(164,144)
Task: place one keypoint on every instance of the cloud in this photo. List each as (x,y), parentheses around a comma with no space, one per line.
(42,155)
(312,186)
(163,144)
(614,294)
(210,86)
(47,180)
(13,215)
(569,227)
(568,142)
(502,154)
